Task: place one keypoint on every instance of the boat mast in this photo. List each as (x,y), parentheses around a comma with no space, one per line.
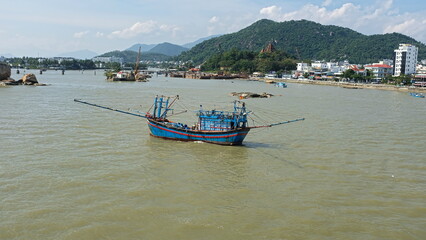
(155,106)
(166,108)
(159,106)
(162,105)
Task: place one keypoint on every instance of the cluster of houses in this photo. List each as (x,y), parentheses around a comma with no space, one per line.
(404,63)
(319,70)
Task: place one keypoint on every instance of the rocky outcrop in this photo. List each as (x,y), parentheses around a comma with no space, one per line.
(244,95)
(140,77)
(4,71)
(29,79)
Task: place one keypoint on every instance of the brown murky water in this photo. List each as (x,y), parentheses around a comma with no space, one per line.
(354,169)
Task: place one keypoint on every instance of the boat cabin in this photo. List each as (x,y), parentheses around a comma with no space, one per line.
(212,120)
(220,121)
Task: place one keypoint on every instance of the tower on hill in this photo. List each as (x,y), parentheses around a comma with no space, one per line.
(268,49)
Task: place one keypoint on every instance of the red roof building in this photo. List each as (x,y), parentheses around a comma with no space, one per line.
(357,69)
(380,71)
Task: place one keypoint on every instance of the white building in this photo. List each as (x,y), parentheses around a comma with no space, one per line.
(61,59)
(331,65)
(319,65)
(380,70)
(421,69)
(303,67)
(405,59)
(108,59)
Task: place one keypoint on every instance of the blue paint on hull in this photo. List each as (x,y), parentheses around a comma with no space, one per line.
(231,137)
(419,95)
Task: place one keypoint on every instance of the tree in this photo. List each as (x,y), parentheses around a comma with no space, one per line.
(403,79)
(114,66)
(248,61)
(306,75)
(348,74)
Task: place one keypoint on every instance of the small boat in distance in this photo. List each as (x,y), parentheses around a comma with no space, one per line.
(419,95)
(280,84)
(131,76)
(213,126)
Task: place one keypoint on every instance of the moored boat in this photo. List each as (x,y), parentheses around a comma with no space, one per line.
(280,84)
(131,76)
(213,126)
(419,95)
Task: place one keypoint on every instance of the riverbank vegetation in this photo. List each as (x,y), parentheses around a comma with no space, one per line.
(51,63)
(238,61)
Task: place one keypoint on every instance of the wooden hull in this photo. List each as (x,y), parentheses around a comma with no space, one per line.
(232,137)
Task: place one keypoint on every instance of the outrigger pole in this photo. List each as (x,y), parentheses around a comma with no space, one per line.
(108,108)
(143,116)
(275,124)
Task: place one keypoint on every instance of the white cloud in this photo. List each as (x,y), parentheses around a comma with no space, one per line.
(214,19)
(273,12)
(170,28)
(144,28)
(412,26)
(313,12)
(135,29)
(80,34)
(409,24)
(99,34)
(383,9)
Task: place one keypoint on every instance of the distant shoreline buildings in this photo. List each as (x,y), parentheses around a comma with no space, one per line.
(405,62)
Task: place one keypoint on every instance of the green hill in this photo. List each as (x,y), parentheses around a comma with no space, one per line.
(168,49)
(144,47)
(307,40)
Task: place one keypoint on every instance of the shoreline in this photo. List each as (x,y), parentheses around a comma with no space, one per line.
(349,85)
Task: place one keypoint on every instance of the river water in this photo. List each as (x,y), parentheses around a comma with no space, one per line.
(354,169)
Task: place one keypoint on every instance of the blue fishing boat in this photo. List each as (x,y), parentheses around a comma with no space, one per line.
(280,84)
(419,95)
(213,126)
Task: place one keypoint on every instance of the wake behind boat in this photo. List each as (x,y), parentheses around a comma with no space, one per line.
(213,126)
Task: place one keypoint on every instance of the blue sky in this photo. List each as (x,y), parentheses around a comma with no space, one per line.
(51,27)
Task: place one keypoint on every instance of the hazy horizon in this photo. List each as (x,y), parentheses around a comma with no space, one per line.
(54,28)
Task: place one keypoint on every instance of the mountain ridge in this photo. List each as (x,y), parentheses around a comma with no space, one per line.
(307,39)
(80,54)
(194,43)
(131,56)
(168,49)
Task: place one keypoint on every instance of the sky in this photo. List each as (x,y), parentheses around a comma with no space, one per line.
(51,27)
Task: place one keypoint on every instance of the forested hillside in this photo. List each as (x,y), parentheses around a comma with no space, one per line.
(305,40)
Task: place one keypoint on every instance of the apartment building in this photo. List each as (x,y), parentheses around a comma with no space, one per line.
(405,59)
